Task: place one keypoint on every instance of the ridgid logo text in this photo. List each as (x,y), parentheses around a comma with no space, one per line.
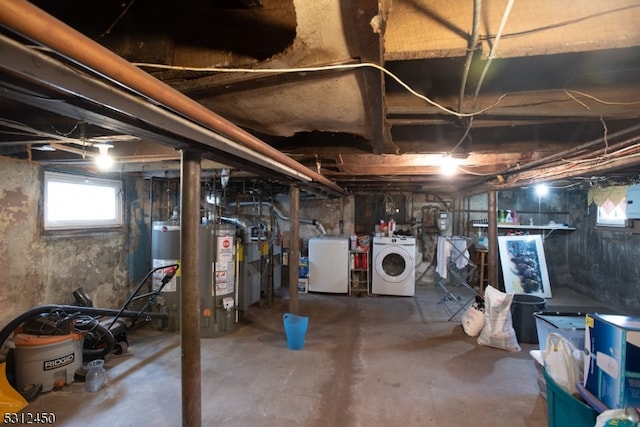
(59,361)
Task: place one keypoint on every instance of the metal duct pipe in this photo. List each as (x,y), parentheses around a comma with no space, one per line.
(281,216)
(33,23)
(238,222)
(241,223)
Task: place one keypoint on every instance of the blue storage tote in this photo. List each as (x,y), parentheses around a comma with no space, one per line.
(566,410)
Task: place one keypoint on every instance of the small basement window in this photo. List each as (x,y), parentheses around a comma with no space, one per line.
(612,205)
(73,202)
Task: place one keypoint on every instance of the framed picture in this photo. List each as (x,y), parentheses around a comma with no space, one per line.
(524,267)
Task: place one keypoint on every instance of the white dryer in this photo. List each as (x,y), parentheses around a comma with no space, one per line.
(393,266)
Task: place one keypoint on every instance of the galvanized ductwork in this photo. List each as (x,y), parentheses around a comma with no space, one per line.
(245,222)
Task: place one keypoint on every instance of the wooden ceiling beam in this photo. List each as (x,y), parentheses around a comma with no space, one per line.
(440,28)
(614,102)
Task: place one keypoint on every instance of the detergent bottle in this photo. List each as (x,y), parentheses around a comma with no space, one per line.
(354,241)
(391,228)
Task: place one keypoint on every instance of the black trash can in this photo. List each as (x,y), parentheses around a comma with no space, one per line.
(522,308)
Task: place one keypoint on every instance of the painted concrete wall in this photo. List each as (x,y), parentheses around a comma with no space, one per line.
(328,213)
(601,262)
(604,261)
(38,269)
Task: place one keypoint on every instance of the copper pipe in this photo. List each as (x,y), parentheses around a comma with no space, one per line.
(35,24)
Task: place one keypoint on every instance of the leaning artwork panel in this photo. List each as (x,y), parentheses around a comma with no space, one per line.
(524,267)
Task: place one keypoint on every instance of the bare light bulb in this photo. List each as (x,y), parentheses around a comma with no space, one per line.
(448,166)
(541,190)
(104,161)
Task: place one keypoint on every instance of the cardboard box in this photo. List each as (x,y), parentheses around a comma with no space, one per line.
(612,366)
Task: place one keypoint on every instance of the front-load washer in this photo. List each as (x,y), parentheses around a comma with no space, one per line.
(393,266)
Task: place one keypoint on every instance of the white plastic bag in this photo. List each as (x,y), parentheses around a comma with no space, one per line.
(563,362)
(473,320)
(618,417)
(498,329)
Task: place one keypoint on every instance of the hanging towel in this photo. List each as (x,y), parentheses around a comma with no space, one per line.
(443,249)
(461,253)
(455,247)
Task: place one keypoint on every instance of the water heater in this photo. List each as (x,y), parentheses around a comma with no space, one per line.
(165,250)
(217,279)
(216,250)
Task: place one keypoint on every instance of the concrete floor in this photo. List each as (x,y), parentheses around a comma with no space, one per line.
(367,361)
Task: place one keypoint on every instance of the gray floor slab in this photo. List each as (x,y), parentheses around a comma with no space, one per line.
(367,361)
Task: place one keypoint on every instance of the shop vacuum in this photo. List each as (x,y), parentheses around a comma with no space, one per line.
(51,344)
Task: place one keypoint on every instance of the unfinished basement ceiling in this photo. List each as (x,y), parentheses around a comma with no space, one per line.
(369,95)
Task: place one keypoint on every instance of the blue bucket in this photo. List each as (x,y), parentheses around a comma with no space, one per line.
(295,328)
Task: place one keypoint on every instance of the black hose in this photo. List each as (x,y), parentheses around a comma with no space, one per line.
(11,326)
(104,335)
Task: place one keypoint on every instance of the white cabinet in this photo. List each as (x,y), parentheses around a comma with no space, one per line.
(329,264)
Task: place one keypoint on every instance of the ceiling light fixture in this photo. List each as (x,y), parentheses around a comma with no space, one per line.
(542,190)
(104,160)
(449,165)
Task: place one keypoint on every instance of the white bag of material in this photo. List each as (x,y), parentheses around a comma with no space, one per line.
(618,417)
(473,320)
(563,362)
(498,329)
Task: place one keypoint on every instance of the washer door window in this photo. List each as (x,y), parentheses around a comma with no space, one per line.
(393,264)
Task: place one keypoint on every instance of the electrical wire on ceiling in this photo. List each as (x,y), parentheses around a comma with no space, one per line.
(442,108)
(492,55)
(470,115)
(323,68)
(124,12)
(571,151)
(472,46)
(570,93)
(606,132)
(494,48)
(470,172)
(572,21)
(585,164)
(621,151)
(66,134)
